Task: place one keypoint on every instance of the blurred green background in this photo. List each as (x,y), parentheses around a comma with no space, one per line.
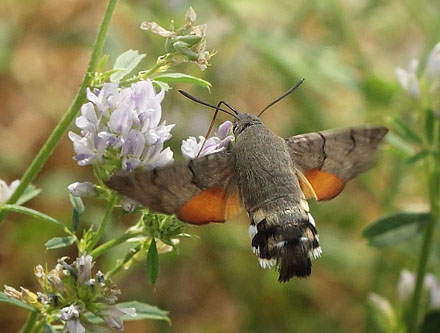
(346,50)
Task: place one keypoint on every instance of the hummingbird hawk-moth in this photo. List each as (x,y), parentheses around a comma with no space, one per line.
(270,176)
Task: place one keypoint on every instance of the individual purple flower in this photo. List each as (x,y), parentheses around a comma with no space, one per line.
(128,204)
(88,148)
(70,314)
(431,283)
(106,98)
(6,191)
(406,284)
(113,316)
(122,125)
(156,157)
(223,129)
(84,266)
(191,148)
(82,189)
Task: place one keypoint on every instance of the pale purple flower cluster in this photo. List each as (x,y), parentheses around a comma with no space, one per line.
(122,125)
(72,291)
(408,78)
(190,147)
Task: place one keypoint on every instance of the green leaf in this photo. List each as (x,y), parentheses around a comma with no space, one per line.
(153,262)
(33,213)
(126,62)
(378,91)
(383,314)
(180,77)
(31,192)
(78,210)
(6,299)
(406,132)
(144,311)
(417,157)
(429,125)
(106,75)
(161,85)
(431,323)
(102,62)
(58,242)
(395,229)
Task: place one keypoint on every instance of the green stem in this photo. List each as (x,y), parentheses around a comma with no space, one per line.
(30,322)
(104,222)
(127,258)
(42,156)
(39,327)
(424,254)
(114,242)
(434,197)
(162,61)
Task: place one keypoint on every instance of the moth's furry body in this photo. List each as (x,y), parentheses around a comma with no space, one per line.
(271,193)
(272,177)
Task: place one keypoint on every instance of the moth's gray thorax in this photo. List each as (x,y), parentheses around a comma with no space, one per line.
(265,169)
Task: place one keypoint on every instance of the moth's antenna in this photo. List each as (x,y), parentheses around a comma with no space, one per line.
(210,128)
(282,96)
(195,99)
(230,107)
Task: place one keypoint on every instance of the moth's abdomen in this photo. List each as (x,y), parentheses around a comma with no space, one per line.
(284,235)
(286,239)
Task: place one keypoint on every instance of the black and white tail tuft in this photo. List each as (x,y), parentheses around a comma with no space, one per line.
(289,246)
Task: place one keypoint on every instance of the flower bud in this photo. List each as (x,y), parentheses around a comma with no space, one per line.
(82,189)
(408,79)
(6,191)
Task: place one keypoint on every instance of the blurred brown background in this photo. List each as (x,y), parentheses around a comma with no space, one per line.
(347,51)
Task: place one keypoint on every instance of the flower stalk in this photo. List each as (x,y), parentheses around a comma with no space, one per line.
(104,222)
(123,262)
(42,156)
(30,322)
(114,242)
(163,62)
(433,165)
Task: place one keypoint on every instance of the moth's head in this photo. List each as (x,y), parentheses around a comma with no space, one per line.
(243,121)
